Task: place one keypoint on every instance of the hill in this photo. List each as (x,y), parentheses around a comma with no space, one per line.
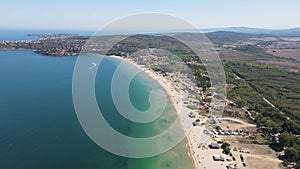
(276,32)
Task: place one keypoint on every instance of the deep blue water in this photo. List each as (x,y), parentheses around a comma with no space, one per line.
(39,127)
(38,124)
(23,34)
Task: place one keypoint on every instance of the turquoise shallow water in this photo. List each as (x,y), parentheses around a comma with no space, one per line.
(39,127)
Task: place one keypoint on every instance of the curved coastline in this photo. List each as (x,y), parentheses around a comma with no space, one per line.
(175,98)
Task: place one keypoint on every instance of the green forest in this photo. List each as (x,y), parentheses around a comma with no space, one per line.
(279,87)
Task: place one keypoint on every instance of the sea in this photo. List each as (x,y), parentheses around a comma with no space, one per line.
(39,128)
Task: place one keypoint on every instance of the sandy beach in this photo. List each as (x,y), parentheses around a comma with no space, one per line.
(182,111)
(196,141)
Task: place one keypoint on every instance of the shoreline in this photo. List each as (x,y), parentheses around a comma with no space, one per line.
(175,98)
(197,143)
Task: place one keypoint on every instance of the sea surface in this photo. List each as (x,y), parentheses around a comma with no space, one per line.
(6,34)
(39,128)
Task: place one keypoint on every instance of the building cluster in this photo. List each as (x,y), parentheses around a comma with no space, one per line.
(68,50)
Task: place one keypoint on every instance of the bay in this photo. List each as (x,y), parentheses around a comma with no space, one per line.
(39,127)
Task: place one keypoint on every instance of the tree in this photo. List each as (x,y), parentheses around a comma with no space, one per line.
(291,154)
(225,147)
(287,140)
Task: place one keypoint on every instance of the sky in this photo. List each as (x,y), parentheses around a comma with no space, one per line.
(93,14)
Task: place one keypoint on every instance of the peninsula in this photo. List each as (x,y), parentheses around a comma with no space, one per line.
(260,115)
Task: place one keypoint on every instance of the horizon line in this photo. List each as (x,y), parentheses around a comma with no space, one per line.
(209,28)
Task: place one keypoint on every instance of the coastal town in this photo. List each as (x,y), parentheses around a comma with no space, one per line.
(48,44)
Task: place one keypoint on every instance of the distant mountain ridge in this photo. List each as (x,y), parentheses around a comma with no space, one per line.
(222,37)
(248,30)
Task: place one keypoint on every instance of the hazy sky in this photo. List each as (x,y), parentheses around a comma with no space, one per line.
(92,14)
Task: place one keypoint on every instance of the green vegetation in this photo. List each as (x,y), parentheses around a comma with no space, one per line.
(279,87)
(223,37)
(282,89)
(259,54)
(257,82)
(201,76)
(291,146)
(279,125)
(225,147)
(291,154)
